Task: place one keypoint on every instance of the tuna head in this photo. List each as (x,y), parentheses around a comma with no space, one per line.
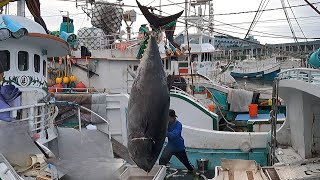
(148,109)
(142,153)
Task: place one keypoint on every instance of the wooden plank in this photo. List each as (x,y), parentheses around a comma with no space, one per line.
(250,175)
(231,175)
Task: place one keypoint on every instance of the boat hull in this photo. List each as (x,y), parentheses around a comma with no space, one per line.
(257,75)
(214,156)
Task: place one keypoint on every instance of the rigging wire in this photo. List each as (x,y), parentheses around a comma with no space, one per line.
(297,22)
(220,14)
(254,18)
(244,40)
(279,36)
(266,4)
(275,20)
(290,25)
(271,9)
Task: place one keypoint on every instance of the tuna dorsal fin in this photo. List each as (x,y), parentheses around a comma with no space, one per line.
(155,21)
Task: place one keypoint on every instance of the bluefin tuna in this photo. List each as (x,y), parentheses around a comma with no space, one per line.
(149,101)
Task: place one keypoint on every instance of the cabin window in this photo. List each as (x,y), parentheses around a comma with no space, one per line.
(5,59)
(135,67)
(23,61)
(44,67)
(36,63)
(194,57)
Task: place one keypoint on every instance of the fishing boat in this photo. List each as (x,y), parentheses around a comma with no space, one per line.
(108,72)
(294,148)
(32,145)
(27,118)
(256,69)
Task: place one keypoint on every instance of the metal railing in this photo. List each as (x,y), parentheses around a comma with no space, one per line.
(39,116)
(181,92)
(302,74)
(107,41)
(88,90)
(79,107)
(100,117)
(255,67)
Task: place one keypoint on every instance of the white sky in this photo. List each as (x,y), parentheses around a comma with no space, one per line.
(308,19)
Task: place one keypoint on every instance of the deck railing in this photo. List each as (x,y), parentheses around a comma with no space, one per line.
(90,90)
(303,74)
(107,42)
(180,91)
(79,108)
(252,66)
(40,118)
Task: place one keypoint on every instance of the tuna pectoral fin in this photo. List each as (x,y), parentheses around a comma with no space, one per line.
(143,139)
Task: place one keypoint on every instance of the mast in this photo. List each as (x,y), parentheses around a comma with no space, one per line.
(21,7)
(185,17)
(211,18)
(160,7)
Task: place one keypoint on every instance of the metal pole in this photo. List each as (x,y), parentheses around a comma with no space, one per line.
(187,38)
(160,7)
(274,117)
(21,8)
(79,118)
(68,22)
(185,17)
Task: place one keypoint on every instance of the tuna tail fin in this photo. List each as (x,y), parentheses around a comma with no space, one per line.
(157,22)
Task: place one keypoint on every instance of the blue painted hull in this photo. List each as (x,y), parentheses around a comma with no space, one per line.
(214,156)
(256,75)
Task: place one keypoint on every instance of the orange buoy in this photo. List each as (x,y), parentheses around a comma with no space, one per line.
(253,110)
(211,107)
(58,87)
(80,87)
(50,89)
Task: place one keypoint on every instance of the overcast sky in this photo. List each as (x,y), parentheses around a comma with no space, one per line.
(308,19)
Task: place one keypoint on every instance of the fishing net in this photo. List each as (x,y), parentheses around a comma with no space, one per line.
(107,17)
(92,38)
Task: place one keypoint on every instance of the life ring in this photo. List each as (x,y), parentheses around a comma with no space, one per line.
(245,146)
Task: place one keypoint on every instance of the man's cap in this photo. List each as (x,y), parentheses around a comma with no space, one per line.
(172,113)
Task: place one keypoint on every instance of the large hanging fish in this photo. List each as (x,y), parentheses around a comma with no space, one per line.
(149,101)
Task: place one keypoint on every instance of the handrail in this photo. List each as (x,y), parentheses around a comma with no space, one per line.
(86,90)
(40,117)
(303,74)
(22,107)
(180,91)
(79,107)
(89,110)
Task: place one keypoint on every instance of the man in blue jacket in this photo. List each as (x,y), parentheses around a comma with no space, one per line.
(175,144)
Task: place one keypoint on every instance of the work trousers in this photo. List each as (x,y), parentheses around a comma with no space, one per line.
(181,155)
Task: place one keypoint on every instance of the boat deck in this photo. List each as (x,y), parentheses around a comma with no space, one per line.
(181,174)
(85,155)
